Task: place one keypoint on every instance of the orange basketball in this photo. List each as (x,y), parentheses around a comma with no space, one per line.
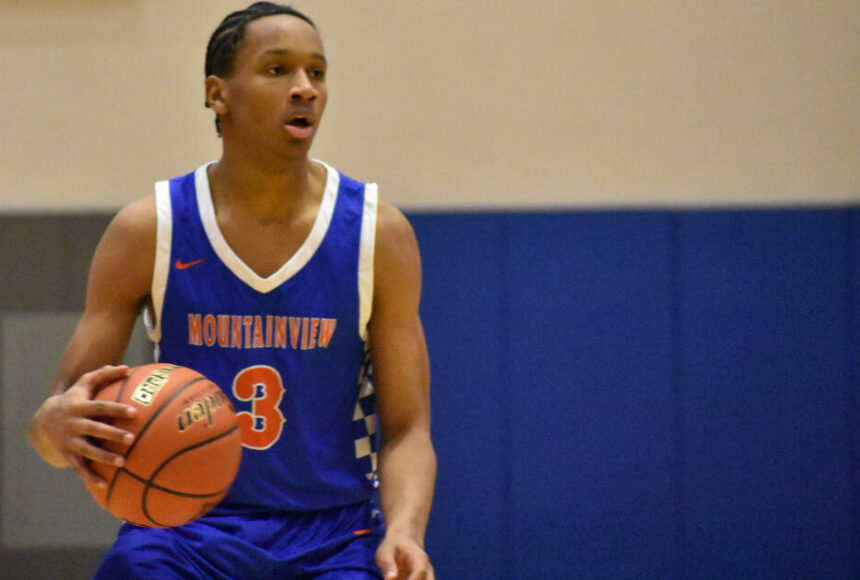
(186,450)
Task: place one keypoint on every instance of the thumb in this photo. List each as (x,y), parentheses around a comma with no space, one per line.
(386,561)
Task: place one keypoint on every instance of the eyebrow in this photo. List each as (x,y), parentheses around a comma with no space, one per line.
(284,51)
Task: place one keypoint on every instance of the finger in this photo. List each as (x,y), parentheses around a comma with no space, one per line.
(102,376)
(108,409)
(414,565)
(90,383)
(105,373)
(83,449)
(389,570)
(103,431)
(84,472)
(103,456)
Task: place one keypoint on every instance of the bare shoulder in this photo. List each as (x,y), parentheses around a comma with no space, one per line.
(137,219)
(397,263)
(390,216)
(125,257)
(394,234)
(133,229)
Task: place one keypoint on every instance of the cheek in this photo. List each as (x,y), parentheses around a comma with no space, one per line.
(252,105)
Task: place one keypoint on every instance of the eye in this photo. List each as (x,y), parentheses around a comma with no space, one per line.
(275,70)
(317,74)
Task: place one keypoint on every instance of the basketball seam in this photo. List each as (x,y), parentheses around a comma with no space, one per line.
(121,390)
(150,485)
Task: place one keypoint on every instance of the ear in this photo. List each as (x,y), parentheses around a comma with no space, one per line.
(216,94)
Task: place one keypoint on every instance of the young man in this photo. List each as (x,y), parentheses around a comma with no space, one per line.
(280,279)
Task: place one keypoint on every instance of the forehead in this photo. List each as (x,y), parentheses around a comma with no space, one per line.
(279,32)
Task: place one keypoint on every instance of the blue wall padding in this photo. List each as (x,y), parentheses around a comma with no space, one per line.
(650,394)
(765,375)
(464,308)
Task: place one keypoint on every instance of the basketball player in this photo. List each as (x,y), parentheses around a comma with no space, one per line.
(280,279)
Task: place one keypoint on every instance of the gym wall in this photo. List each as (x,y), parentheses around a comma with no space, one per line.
(640,227)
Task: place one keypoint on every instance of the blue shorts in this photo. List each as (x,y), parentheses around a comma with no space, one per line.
(331,544)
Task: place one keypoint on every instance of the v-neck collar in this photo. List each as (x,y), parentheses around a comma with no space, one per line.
(296,262)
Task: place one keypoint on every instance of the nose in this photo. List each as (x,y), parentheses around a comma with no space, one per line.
(302,87)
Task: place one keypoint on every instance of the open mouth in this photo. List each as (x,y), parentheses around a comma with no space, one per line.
(299,122)
(300,127)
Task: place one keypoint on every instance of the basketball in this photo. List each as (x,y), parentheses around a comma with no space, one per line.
(186,450)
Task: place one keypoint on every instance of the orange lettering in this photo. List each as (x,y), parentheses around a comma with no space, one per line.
(236,334)
(326,331)
(281,332)
(195,335)
(224,330)
(209,330)
(258,332)
(315,323)
(304,333)
(248,321)
(295,327)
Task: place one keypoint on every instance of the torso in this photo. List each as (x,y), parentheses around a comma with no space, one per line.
(291,320)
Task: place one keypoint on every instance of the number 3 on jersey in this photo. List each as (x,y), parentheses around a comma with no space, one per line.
(262,386)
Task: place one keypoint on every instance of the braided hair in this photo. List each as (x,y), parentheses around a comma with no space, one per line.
(224,42)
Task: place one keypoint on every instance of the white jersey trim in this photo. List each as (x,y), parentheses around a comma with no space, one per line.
(161,271)
(365,258)
(295,263)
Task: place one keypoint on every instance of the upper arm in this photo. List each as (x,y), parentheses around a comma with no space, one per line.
(398,348)
(118,284)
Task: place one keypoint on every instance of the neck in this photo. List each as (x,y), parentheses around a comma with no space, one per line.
(268,191)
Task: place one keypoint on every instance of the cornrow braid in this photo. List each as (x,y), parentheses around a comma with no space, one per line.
(224,42)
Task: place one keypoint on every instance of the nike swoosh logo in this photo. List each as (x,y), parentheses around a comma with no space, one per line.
(180,265)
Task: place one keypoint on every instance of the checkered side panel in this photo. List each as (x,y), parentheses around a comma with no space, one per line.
(365,423)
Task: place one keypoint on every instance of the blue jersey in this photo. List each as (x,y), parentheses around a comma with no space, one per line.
(290,349)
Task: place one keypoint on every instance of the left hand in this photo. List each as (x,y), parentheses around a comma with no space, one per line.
(400,557)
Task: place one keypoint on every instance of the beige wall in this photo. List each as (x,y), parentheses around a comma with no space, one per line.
(457,103)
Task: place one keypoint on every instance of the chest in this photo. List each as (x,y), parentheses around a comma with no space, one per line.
(265,247)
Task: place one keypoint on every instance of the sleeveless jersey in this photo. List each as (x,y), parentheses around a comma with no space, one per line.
(290,350)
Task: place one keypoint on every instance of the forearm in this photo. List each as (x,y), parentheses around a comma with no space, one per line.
(407,476)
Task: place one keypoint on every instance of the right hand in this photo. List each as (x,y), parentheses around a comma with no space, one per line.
(61,428)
